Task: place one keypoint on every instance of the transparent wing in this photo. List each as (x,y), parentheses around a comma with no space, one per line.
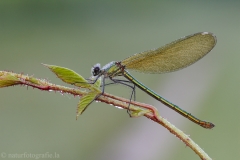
(176,55)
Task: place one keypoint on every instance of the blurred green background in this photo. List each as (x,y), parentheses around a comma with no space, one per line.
(78,34)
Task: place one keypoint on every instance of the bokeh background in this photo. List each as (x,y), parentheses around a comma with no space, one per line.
(78,34)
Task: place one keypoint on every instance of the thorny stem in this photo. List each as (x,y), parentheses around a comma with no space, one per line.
(106,98)
(155,117)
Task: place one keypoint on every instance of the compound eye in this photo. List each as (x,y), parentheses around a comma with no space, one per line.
(96,69)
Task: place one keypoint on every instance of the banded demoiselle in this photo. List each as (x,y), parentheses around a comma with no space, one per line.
(171,57)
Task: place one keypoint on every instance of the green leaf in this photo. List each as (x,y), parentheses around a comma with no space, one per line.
(97,84)
(69,76)
(6,79)
(85,101)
